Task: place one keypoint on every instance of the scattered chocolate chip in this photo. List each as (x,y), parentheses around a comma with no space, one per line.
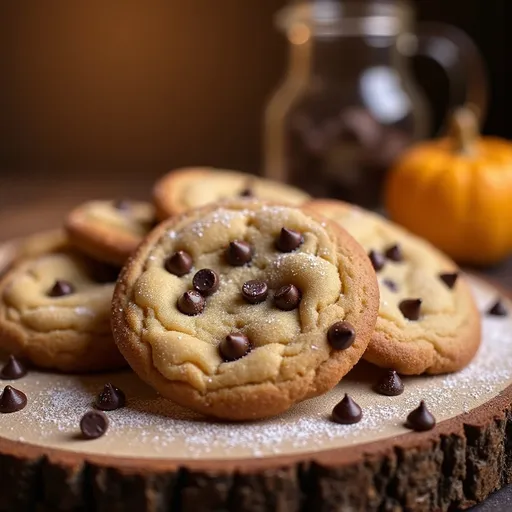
(420,419)
(122,204)
(347,412)
(341,335)
(13,369)
(287,297)
(377,259)
(206,282)
(390,384)
(12,400)
(93,424)
(110,399)
(191,303)
(234,346)
(394,253)
(179,264)
(497,309)
(61,288)
(247,192)
(289,240)
(390,284)
(254,291)
(238,253)
(449,279)
(411,308)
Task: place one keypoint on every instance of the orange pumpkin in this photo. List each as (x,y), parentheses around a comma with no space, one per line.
(457,192)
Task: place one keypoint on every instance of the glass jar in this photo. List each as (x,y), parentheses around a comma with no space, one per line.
(348,104)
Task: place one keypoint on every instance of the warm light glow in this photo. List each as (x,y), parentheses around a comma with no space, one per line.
(299,34)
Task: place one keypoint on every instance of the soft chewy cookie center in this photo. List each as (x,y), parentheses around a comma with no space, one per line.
(239,297)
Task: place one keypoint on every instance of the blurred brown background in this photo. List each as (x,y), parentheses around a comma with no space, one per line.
(123,90)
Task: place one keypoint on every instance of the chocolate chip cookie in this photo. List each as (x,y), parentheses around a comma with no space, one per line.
(192,187)
(55,311)
(110,230)
(428,321)
(241,309)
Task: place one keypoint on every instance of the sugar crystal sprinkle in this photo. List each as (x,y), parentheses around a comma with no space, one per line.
(158,428)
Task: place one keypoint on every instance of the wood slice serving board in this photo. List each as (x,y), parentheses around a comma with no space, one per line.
(157,456)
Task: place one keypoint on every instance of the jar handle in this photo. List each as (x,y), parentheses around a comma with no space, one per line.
(462,62)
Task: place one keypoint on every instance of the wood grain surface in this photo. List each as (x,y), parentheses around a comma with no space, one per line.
(454,466)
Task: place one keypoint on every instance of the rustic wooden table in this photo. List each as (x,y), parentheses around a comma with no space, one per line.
(29,204)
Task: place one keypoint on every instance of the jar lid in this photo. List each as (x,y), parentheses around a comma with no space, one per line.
(350,18)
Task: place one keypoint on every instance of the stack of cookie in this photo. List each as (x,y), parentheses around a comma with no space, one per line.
(236,296)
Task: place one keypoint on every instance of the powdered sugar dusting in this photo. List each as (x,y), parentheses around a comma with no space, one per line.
(151,426)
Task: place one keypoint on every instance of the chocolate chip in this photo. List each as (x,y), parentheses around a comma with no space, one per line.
(347,412)
(191,303)
(122,204)
(411,308)
(390,284)
(110,399)
(394,253)
(287,297)
(289,240)
(254,291)
(449,279)
(13,369)
(93,424)
(497,309)
(238,253)
(12,400)
(206,282)
(377,259)
(179,264)
(341,335)
(247,192)
(420,419)
(234,346)
(61,288)
(390,384)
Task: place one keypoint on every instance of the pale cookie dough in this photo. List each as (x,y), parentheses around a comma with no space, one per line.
(290,357)
(447,334)
(55,313)
(192,187)
(110,230)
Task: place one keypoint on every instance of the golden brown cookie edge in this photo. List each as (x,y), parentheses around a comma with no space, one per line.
(392,350)
(139,357)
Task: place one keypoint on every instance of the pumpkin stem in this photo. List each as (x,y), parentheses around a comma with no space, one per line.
(463,129)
